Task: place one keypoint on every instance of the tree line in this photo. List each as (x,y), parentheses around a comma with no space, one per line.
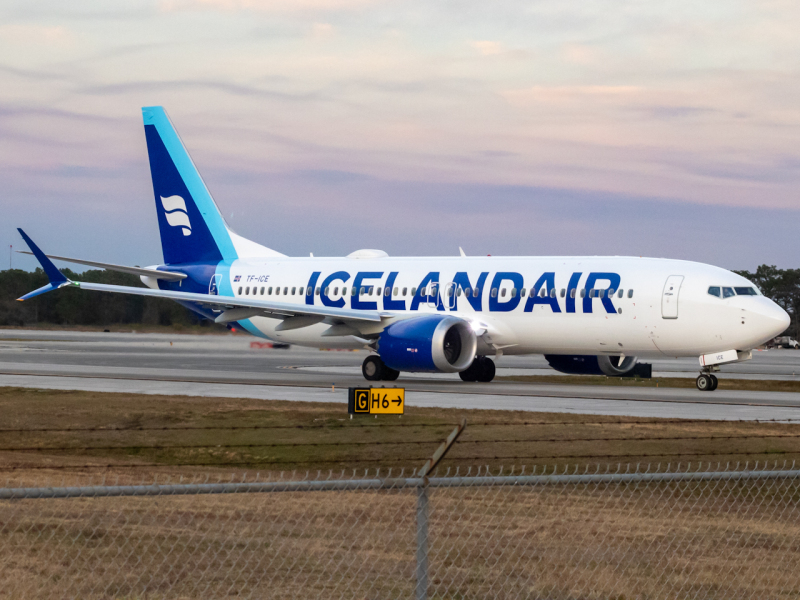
(78,307)
(71,306)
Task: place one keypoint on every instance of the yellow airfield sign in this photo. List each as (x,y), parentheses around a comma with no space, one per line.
(376,401)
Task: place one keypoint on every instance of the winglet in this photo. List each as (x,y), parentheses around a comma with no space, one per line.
(56,277)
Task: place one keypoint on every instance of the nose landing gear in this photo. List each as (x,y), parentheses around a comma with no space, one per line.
(707,382)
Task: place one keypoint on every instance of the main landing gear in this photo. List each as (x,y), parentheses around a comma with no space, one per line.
(707,382)
(374,369)
(482,370)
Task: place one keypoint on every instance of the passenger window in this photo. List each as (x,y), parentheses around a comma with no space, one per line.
(513,292)
(458,292)
(572,293)
(327,291)
(387,292)
(269,291)
(240,290)
(553,293)
(404,291)
(286,291)
(317,292)
(583,292)
(476,292)
(745,291)
(620,293)
(543,293)
(294,291)
(396,290)
(494,292)
(344,291)
(262,291)
(335,291)
(467,291)
(354,291)
(247,291)
(630,293)
(522,292)
(563,292)
(503,292)
(610,293)
(727,292)
(277,291)
(378,292)
(715,290)
(413,291)
(309,291)
(300,291)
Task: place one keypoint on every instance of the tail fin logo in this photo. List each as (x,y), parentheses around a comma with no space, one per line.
(175,211)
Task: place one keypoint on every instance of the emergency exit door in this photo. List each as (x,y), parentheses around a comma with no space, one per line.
(669,297)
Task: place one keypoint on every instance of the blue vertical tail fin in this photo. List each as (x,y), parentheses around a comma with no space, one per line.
(192,228)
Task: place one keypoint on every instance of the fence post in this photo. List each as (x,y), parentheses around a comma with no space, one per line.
(422,543)
(422,509)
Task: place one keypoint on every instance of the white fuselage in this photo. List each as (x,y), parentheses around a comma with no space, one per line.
(646,319)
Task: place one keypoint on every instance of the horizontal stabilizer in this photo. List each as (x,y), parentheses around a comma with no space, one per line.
(165,275)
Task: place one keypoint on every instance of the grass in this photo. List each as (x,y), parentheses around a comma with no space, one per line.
(119,431)
(718,539)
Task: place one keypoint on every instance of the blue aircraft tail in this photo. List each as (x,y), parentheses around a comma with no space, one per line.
(192,228)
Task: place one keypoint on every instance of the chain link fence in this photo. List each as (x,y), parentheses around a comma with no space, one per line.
(650,532)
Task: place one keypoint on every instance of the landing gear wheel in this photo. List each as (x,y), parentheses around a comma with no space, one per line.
(472,372)
(390,374)
(705,383)
(373,368)
(488,370)
(714,382)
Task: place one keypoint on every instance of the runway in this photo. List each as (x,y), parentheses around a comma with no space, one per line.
(241,366)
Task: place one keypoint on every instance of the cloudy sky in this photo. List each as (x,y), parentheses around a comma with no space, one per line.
(538,127)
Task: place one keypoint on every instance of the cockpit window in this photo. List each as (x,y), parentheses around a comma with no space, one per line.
(715,290)
(745,291)
(727,292)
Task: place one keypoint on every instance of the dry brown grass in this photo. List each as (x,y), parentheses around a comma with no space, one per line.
(321,436)
(703,540)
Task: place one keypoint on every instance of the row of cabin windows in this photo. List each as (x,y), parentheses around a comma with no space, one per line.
(474,292)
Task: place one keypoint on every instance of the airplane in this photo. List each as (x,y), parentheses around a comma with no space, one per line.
(585,314)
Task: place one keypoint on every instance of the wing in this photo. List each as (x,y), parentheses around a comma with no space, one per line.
(166,275)
(230,309)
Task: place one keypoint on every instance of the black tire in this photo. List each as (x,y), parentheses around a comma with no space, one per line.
(372,368)
(488,370)
(390,374)
(704,383)
(471,372)
(714,382)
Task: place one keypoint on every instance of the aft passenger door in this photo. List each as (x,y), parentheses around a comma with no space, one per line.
(669,297)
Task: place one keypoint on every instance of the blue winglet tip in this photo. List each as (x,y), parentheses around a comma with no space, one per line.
(55,276)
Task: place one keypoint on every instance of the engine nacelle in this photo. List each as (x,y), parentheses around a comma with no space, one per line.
(430,343)
(592,365)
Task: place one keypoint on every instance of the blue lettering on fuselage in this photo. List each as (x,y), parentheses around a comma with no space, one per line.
(388,302)
(613,284)
(495,302)
(430,280)
(461,281)
(546,282)
(355,301)
(342,276)
(429,291)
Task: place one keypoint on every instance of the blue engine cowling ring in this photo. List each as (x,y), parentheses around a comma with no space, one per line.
(418,344)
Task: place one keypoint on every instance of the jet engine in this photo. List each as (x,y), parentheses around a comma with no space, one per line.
(613,366)
(430,343)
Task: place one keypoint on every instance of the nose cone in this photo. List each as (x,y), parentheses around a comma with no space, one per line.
(770,319)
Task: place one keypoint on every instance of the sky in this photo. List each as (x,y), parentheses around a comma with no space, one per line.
(543,127)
